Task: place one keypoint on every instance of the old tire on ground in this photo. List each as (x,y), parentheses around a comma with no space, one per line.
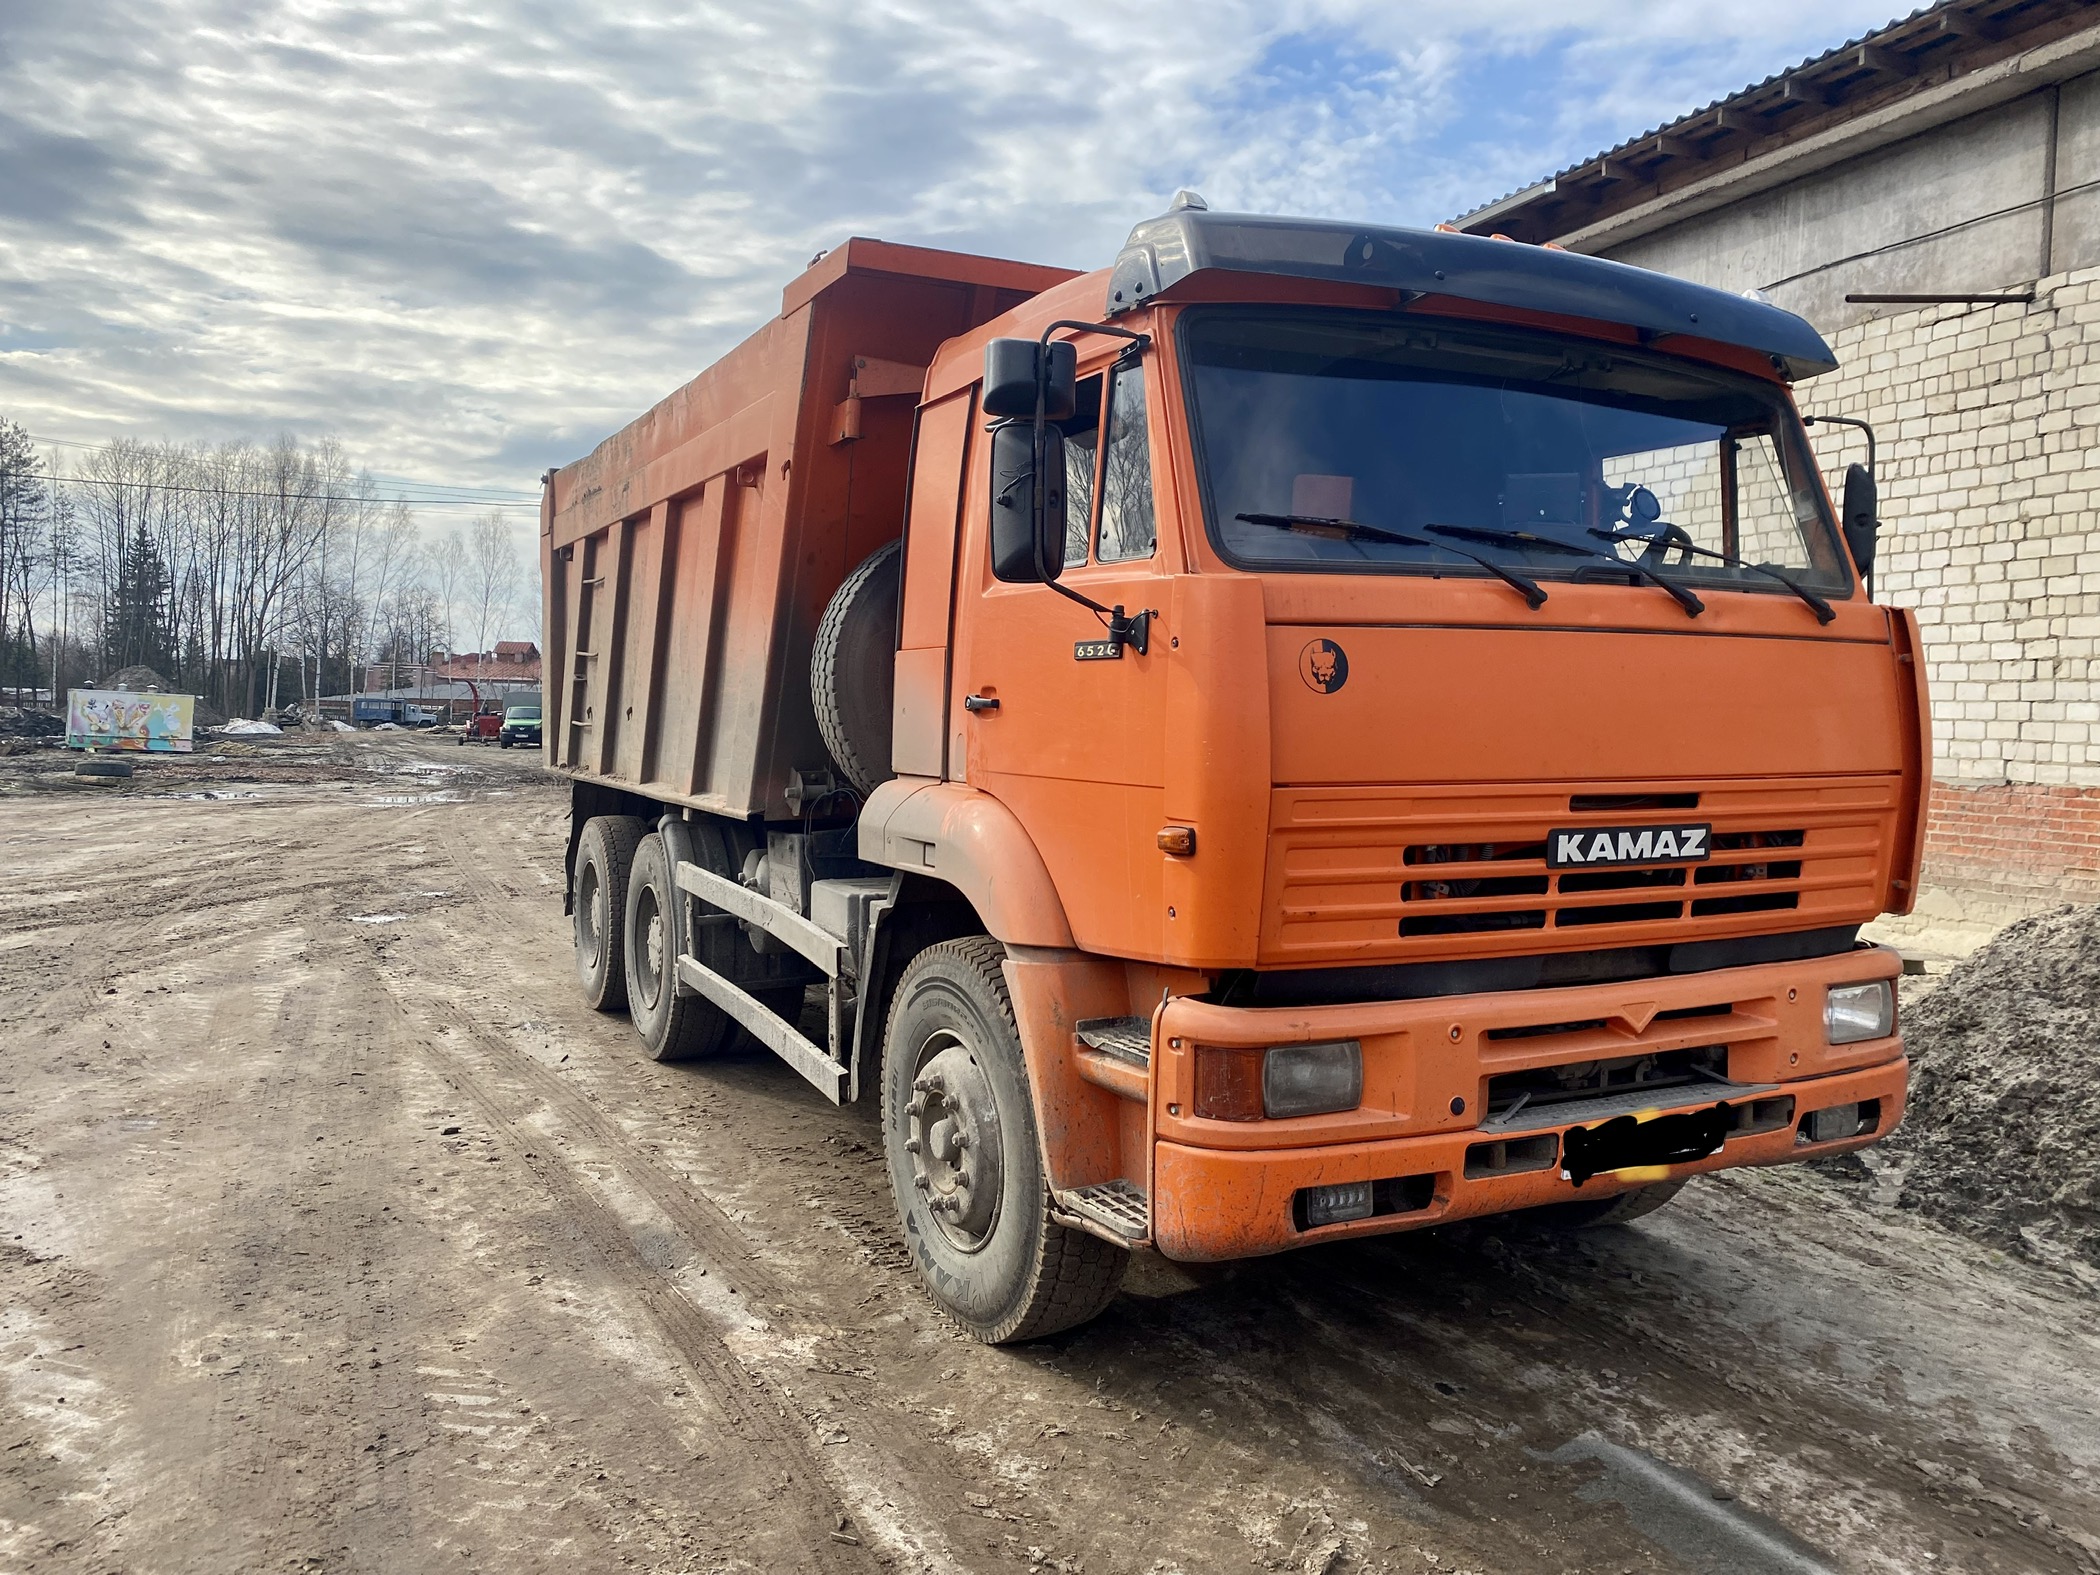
(1621,1209)
(852,672)
(604,855)
(959,1134)
(92,766)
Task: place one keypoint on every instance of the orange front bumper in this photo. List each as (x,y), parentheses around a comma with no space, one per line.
(1223,1190)
(1213,1204)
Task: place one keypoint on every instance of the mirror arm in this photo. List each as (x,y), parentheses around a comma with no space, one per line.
(1122,629)
(1847,421)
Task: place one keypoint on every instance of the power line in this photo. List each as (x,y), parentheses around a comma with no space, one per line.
(301,497)
(434,492)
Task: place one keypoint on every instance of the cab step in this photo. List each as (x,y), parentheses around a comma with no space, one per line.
(1125,1038)
(1121,1210)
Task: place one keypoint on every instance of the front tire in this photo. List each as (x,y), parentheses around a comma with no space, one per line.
(604,858)
(965,1162)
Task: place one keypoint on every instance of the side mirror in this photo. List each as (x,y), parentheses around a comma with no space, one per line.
(1028,544)
(1010,370)
(1861,520)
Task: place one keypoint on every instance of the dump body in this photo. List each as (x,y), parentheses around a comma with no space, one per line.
(686,561)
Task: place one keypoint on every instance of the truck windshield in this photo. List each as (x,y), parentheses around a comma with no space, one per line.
(1303,416)
(522,713)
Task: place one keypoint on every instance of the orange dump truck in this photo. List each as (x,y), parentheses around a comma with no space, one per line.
(1309,731)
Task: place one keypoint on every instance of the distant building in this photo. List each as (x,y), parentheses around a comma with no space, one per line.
(513,664)
(1929,197)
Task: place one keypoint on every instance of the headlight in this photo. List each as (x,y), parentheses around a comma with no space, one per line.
(1246,1084)
(1312,1080)
(1852,1012)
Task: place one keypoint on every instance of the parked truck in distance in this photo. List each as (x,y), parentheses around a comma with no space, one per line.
(1311,730)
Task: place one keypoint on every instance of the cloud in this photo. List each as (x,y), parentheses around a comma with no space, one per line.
(471,237)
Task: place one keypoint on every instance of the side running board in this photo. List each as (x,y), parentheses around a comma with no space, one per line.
(776,1033)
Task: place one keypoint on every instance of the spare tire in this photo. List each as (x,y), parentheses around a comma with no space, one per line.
(852,674)
(102,766)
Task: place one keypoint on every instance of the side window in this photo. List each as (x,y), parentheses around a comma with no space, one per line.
(1082,451)
(1127,527)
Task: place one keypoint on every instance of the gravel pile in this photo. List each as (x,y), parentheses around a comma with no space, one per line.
(2002,1137)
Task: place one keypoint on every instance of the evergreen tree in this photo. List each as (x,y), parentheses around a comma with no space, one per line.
(137,633)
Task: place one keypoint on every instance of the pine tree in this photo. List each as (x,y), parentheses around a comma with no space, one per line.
(138,611)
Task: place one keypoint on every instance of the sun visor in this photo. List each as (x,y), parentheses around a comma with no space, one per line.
(1163,251)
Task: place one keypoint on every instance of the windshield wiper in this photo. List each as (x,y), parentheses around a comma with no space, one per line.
(1691,604)
(1351,530)
(1676,539)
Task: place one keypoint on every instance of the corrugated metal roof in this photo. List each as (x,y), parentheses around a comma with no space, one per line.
(1932,44)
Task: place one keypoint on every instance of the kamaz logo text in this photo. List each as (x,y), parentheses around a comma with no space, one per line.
(1627,845)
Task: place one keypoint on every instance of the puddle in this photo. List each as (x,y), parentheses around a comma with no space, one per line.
(377,918)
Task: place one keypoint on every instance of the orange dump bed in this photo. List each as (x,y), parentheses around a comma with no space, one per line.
(687,560)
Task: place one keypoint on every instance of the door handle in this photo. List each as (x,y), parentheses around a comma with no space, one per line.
(980,703)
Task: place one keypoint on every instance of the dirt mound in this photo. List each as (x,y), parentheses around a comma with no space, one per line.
(2005,1091)
(23,722)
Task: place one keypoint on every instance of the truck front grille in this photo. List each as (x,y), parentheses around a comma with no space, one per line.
(1462,871)
(1738,857)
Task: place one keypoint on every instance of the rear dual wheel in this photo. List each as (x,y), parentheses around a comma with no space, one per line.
(626,947)
(604,856)
(965,1162)
(674,1027)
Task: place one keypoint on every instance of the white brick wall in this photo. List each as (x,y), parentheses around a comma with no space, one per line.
(1989,425)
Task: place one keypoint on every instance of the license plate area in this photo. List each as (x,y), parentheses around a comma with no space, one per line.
(1629,1143)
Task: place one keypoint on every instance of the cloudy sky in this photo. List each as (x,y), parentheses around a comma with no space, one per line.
(469,237)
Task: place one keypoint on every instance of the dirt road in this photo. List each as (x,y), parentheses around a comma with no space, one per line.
(336,1235)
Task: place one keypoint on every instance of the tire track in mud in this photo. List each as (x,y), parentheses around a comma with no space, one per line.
(709,1233)
(775,1434)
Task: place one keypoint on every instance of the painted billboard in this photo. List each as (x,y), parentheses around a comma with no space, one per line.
(119,719)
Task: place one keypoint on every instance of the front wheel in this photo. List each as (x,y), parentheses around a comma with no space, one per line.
(959,1133)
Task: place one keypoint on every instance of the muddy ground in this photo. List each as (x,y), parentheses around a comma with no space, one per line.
(335,1234)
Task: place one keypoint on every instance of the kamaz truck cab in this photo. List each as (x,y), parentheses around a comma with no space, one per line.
(1312,730)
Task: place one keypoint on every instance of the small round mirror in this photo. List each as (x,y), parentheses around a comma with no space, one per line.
(1644,506)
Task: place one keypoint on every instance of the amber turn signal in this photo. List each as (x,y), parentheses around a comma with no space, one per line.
(1178,840)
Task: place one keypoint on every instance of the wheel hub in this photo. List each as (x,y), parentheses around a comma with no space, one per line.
(957,1158)
(590,912)
(652,949)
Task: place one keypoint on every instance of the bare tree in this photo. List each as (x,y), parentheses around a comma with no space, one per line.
(492,575)
(28,510)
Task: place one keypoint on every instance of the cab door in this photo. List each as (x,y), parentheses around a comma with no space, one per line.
(1047,715)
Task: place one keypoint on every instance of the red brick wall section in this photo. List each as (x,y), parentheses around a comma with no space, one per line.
(2021,836)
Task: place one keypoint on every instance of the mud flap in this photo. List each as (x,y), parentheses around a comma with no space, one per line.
(1629,1143)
